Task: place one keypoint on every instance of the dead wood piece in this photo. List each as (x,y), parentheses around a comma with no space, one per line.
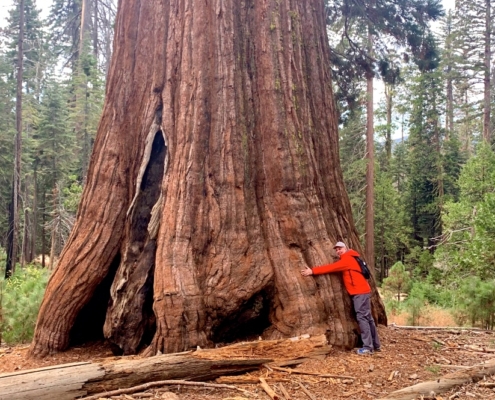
(392,375)
(283,352)
(420,339)
(149,385)
(295,371)
(284,391)
(308,393)
(479,348)
(452,366)
(67,382)
(269,391)
(146,395)
(445,383)
(453,329)
(487,384)
(243,379)
(349,394)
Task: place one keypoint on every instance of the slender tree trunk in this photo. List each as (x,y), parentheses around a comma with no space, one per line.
(370,168)
(34,225)
(81,92)
(214,180)
(95,28)
(382,250)
(487,84)
(54,227)
(85,30)
(10,263)
(449,115)
(25,237)
(14,226)
(449,119)
(389,98)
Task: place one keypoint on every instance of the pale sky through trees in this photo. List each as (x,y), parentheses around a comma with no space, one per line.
(44,5)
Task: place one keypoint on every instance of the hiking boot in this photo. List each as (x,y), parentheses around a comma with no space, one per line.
(364,351)
(378,349)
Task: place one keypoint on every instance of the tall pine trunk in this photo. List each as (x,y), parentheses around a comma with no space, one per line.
(370,165)
(487,72)
(214,180)
(13,234)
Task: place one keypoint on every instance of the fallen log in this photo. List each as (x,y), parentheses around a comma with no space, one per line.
(441,328)
(445,383)
(69,381)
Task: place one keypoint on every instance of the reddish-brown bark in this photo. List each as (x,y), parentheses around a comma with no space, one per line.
(220,117)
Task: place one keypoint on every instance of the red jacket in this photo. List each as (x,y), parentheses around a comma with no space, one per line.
(354,281)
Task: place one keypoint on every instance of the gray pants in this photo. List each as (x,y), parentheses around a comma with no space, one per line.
(369,334)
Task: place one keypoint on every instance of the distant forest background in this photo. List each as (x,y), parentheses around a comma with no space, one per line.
(426,150)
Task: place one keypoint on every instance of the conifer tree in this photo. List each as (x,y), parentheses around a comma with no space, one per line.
(471,54)
(7,132)
(72,29)
(466,245)
(425,185)
(360,24)
(29,79)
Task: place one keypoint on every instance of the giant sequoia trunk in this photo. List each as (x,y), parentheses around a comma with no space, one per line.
(214,180)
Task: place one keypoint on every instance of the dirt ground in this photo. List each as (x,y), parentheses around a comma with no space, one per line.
(408,357)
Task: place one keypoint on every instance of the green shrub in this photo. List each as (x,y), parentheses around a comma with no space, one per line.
(20,299)
(393,307)
(417,304)
(476,303)
(398,280)
(415,307)
(433,294)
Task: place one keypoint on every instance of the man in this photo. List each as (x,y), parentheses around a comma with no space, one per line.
(359,289)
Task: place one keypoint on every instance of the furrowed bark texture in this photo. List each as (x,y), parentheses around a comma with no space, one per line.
(215,179)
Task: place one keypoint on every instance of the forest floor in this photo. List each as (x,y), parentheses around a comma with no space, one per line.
(407,357)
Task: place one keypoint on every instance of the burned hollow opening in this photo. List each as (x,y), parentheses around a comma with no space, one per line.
(247,322)
(130,321)
(89,322)
(136,326)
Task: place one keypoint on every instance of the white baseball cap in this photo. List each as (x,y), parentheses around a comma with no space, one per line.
(339,244)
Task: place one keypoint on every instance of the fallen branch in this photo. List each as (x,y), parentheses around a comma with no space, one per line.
(269,391)
(480,349)
(295,371)
(348,394)
(247,379)
(452,366)
(308,393)
(445,383)
(149,385)
(487,384)
(284,391)
(441,328)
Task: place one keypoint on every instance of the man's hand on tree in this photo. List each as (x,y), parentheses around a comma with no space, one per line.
(307,272)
